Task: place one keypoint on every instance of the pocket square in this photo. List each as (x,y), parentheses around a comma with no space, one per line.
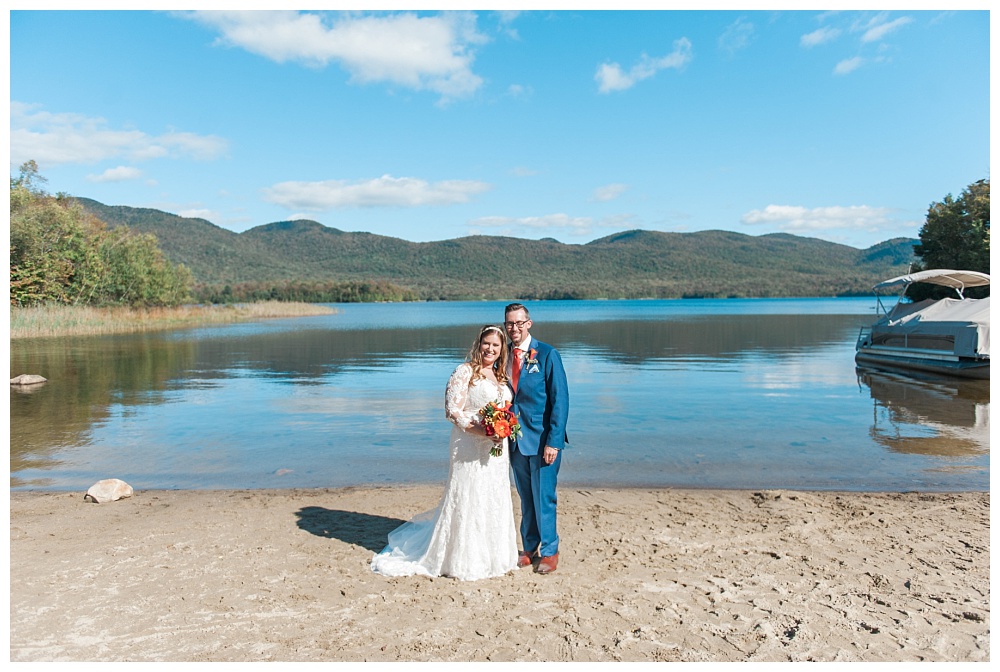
(533,368)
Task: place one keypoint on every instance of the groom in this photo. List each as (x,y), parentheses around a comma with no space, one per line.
(541,401)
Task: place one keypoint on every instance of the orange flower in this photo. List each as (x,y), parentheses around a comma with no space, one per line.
(502,428)
(501,422)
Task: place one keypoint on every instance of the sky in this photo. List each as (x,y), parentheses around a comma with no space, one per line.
(571,124)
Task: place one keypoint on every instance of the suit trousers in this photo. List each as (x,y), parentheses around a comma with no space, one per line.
(536,486)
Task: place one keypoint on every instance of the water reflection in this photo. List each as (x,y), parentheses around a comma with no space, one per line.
(313,355)
(86,378)
(704,338)
(660,396)
(929,416)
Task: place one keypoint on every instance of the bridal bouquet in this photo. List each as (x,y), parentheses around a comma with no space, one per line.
(499,421)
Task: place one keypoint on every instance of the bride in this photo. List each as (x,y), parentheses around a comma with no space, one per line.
(471,534)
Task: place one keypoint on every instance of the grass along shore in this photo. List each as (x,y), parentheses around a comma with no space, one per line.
(56,320)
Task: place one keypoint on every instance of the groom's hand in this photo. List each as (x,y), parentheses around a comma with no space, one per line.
(549,455)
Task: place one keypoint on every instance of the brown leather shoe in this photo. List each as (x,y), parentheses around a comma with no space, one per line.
(548,564)
(525,559)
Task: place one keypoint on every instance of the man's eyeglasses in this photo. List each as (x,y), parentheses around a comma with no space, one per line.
(520,324)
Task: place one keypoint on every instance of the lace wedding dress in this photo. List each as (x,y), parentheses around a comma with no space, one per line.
(471,534)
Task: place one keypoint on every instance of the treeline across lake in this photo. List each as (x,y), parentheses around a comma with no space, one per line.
(305,260)
(77,251)
(306,292)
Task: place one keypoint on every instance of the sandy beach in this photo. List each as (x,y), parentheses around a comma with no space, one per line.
(644,575)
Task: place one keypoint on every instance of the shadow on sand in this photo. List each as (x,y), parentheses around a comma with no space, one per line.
(352,527)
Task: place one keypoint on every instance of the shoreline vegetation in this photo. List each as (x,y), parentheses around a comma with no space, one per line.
(59,320)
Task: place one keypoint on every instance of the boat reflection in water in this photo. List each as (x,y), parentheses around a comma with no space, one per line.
(948,417)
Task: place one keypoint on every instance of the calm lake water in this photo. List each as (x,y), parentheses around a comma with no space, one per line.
(686,393)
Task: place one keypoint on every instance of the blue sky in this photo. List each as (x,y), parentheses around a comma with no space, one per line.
(567,124)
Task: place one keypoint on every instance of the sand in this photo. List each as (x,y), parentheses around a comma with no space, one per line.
(644,575)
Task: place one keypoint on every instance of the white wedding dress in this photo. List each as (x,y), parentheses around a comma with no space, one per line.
(471,533)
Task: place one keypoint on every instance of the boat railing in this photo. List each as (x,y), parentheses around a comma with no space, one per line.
(864,337)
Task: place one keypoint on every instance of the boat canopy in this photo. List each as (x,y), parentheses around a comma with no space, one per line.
(967,320)
(945,277)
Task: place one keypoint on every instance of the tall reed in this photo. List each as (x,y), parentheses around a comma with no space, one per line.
(58,320)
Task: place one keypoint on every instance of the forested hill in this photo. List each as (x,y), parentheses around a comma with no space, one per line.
(632,264)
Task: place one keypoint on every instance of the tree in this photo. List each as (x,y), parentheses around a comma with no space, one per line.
(50,260)
(61,254)
(956,234)
(957,231)
(28,179)
(135,272)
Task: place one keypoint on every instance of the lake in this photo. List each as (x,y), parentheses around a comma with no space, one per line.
(712,393)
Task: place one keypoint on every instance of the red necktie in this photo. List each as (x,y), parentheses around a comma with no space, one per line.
(515,372)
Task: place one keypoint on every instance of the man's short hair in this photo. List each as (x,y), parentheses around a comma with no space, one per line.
(511,307)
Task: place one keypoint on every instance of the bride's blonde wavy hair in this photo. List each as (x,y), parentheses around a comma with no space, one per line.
(476,355)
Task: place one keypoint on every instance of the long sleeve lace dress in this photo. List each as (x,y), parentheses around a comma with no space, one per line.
(470,534)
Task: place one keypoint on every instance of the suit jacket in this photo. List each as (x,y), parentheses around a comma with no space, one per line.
(541,401)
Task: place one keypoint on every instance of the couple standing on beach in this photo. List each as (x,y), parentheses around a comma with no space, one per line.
(471,534)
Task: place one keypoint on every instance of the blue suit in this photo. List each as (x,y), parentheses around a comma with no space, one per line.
(541,403)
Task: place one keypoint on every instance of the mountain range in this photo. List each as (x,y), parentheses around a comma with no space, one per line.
(630,264)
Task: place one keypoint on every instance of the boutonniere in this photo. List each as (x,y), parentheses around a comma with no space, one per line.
(532,357)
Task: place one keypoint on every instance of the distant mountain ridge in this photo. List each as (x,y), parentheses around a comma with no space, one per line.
(629,264)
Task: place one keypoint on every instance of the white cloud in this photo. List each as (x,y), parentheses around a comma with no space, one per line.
(820,36)
(119,174)
(620,222)
(879,27)
(56,138)
(385,191)
(558,225)
(577,226)
(798,219)
(848,65)
(200,213)
(872,28)
(200,147)
(523,171)
(419,52)
(506,18)
(611,77)
(737,35)
(609,192)
(519,91)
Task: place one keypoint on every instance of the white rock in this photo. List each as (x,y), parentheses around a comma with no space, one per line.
(108,490)
(27,379)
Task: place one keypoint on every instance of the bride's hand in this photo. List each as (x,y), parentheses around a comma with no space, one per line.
(492,437)
(478,428)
